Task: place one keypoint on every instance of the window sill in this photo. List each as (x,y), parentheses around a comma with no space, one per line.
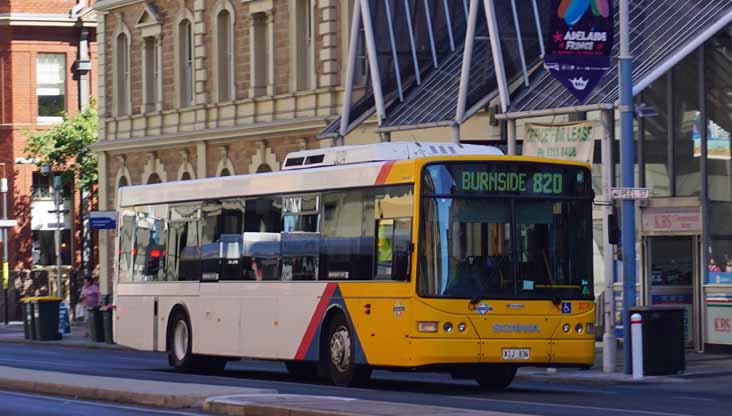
(49,120)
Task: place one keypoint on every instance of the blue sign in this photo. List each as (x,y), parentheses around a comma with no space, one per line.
(579,43)
(103,220)
(719,278)
(566,307)
(64,326)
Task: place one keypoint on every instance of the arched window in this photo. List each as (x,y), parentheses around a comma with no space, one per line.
(264,168)
(225,55)
(122,70)
(225,172)
(153,179)
(122,182)
(186,176)
(185,62)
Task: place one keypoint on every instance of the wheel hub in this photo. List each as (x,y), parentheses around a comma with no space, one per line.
(180,340)
(340,349)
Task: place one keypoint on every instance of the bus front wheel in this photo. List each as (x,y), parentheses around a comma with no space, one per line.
(338,354)
(495,377)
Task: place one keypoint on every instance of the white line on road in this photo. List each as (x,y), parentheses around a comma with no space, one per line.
(701,399)
(98,404)
(573,406)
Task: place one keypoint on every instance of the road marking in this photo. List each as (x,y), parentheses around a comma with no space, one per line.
(701,399)
(51,363)
(573,406)
(99,404)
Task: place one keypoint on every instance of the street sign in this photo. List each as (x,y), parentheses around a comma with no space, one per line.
(629,193)
(103,220)
(8,223)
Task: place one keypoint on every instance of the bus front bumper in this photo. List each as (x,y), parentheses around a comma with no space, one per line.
(541,352)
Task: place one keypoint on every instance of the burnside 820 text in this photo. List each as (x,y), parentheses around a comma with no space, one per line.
(536,183)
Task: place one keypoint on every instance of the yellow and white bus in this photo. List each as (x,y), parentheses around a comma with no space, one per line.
(400,256)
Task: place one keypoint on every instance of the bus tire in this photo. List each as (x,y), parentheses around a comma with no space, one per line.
(496,377)
(338,354)
(180,345)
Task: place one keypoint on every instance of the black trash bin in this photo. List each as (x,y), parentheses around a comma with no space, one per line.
(29,327)
(664,339)
(45,317)
(96,324)
(108,322)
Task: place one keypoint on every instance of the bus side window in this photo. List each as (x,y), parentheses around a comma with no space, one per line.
(124,262)
(393,248)
(183,250)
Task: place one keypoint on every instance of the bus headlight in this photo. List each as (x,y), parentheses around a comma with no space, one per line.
(428,326)
(447,326)
(462,327)
(579,328)
(565,328)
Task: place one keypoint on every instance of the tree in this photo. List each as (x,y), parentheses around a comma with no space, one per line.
(68,145)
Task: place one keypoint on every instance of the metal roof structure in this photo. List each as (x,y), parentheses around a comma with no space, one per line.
(664,32)
(437,62)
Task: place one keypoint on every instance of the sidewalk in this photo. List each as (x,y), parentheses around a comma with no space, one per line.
(13,333)
(697,366)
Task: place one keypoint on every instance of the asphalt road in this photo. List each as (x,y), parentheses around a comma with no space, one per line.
(695,396)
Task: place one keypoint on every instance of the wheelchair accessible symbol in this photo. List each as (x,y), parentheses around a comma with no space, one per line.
(566,307)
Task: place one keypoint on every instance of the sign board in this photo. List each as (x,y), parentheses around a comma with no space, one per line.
(8,223)
(719,278)
(570,141)
(103,220)
(719,321)
(579,43)
(629,193)
(682,220)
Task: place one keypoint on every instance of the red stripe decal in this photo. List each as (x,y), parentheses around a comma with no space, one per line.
(384,172)
(307,339)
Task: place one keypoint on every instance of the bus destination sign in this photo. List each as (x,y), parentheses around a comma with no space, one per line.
(501,178)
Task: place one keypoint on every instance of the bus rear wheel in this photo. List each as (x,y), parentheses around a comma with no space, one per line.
(495,377)
(180,351)
(338,355)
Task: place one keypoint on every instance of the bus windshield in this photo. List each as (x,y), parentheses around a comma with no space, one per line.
(506,231)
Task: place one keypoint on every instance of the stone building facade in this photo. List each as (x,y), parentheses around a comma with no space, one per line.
(47,56)
(203,88)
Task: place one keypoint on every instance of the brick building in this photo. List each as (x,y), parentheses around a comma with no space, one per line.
(204,88)
(47,53)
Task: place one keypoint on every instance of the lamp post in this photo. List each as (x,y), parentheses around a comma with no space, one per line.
(627,164)
(5,271)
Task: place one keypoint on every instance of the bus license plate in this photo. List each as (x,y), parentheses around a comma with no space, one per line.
(517,354)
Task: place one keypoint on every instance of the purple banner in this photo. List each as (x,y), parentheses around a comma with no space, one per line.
(579,44)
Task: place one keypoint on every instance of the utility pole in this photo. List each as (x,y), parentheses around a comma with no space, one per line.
(627,164)
(5,271)
(58,202)
(609,342)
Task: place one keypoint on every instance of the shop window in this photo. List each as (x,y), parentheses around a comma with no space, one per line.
(687,145)
(656,138)
(717,60)
(51,87)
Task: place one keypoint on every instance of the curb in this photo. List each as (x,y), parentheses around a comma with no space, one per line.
(566,379)
(68,344)
(170,395)
(170,401)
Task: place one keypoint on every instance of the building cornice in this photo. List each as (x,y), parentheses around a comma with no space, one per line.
(44,19)
(105,5)
(255,131)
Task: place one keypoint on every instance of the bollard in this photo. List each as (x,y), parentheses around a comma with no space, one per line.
(636,324)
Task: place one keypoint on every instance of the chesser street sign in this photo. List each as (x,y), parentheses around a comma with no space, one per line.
(629,193)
